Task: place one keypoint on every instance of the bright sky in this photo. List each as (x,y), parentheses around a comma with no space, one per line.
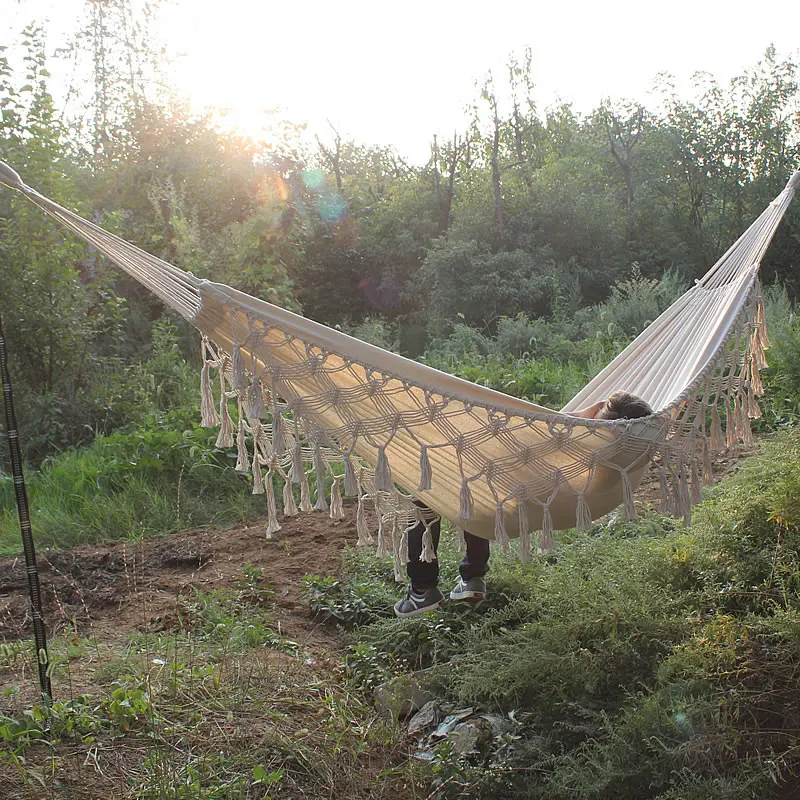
(396,73)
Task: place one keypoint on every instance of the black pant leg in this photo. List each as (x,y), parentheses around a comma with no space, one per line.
(475,563)
(423,575)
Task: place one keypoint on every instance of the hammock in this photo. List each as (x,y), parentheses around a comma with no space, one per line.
(367,420)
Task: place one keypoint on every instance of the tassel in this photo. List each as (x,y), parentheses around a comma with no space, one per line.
(243,457)
(546,541)
(755,380)
(708,474)
(753,408)
(273,526)
(337,511)
(225,437)
(500,535)
(424,469)
(583,517)
(289,504)
(319,470)
(666,494)
(381,550)
(524,527)
(730,424)
(254,405)
(428,553)
(238,380)
(383,475)
(397,562)
(465,509)
(717,442)
(629,512)
(525,547)
(305,493)
(684,506)
(297,463)
(462,542)
(747,432)
(697,484)
(350,480)
(404,546)
(278,438)
(258,481)
(364,536)
(208,413)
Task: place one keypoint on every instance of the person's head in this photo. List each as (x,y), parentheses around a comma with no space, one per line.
(624,405)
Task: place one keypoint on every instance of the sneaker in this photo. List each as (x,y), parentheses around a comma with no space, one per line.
(473,589)
(419,602)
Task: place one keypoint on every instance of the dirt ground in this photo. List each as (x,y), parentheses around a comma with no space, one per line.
(128,586)
(119,588)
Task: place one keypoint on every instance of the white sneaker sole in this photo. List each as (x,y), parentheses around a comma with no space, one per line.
(474,597)
(417,611)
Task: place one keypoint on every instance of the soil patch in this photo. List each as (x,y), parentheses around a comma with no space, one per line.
(128,586)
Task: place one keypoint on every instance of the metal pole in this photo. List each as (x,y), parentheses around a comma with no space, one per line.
(39,631)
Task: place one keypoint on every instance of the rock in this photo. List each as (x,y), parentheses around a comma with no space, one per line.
(403,695)
(497,723)
(471,736)
(450,722)
(427,717)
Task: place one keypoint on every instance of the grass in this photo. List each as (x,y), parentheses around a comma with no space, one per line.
(165,477)
(642,660)
(225,708)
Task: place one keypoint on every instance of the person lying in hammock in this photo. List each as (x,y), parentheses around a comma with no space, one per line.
(423,589)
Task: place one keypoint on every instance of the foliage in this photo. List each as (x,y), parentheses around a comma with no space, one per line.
(641,660)
(162,477)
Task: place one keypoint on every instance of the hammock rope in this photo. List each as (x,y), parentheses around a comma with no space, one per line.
(316,407)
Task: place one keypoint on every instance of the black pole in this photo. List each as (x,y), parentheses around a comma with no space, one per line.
(39,631)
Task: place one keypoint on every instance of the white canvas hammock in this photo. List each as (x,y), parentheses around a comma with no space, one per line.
(367,420)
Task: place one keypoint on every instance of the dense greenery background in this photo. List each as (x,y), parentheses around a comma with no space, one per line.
(641,660)
(513,231)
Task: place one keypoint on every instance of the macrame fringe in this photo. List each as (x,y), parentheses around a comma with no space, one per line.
(465,508)
(683,500)
(238,380)
(425,473)
(664,490)
(708,473)
(717,442)
(225,436)
(350,480)
(753,408)
(321,503)
(730,428)
(404,546)
(583,517)
(462,542)
(500,535)
(289,504)
(629,509)
(398,562)
(258,480)
(305,493)
(254,405)
(273,526)
(381,550)
(546,540)
(428,553)
(208,413)
(242,456)
(337,509)
(697,483)
(278,438)
(383,474)
(364,536)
